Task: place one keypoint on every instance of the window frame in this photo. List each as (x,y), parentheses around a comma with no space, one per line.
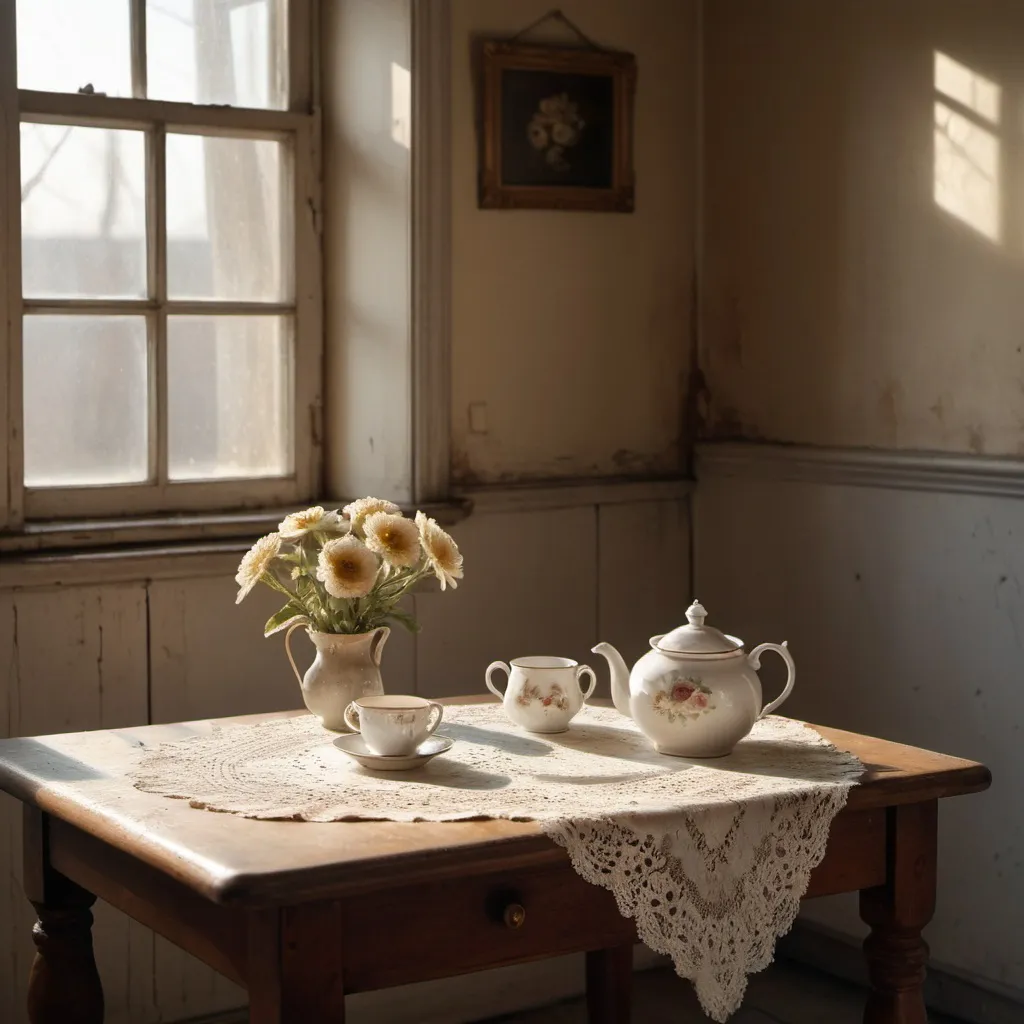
(299,127)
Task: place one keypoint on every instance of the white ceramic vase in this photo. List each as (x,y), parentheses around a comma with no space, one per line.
(346,667)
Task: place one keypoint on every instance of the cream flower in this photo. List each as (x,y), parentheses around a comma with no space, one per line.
(255,563)
(358,511)
(298,524)
(347,567)
(442,552)
(395,539)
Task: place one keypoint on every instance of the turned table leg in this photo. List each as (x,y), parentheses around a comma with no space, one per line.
(897,912)
(64,985)
(609,985)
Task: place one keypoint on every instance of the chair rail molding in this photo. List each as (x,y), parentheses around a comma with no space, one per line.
(856,467)
(431,248)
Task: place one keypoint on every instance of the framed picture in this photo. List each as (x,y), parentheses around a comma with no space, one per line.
(556,127)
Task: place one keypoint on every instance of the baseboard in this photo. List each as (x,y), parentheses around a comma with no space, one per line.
(468,997)
(946,991)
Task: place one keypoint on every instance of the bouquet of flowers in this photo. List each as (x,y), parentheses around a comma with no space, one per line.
(346,572)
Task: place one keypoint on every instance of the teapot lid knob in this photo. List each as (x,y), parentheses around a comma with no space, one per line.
(696,614)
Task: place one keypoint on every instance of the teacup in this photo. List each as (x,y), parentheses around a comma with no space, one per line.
(393,725)
(543,694)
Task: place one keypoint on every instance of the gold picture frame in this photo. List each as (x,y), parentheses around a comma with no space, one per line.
(556,129)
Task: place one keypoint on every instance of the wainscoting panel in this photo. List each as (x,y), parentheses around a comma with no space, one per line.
(73,659)
(904,610)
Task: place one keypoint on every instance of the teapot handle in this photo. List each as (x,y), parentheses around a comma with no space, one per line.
(782,650)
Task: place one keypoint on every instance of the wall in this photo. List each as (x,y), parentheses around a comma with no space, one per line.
(843,302)
(571,331)
(126,651)
(861,273)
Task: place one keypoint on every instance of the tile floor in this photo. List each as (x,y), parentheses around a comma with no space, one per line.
(784,994)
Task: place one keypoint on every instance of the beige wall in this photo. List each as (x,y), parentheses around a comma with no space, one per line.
(842,305)
(573,329)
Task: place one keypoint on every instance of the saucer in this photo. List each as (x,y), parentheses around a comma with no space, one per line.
(355,746)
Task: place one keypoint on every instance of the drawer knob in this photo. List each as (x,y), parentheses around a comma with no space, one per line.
(515,915)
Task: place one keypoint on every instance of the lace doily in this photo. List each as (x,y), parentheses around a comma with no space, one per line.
(710,858)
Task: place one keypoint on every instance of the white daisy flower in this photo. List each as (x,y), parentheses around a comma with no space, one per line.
(442,552)
(315,519)
(357,511)
(255,563)
(347,567)
(395,539)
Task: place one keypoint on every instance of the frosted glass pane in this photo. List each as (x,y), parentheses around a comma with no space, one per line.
(229,388)
(215,51)
(224,219)
(64,45)
(83,212)
(86,400)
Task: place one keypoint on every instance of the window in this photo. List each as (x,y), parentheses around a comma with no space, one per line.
(164,339)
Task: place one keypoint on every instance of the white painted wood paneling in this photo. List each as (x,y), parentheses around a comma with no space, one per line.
(530,588)
(208,656)
(73,659)
(644,583)
(905,615)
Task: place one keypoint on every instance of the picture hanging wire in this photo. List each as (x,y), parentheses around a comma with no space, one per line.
(557,15)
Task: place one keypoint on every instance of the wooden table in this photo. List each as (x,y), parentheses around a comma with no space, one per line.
(302,913)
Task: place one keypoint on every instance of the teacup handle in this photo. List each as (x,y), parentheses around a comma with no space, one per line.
(436,714)
(586,670)
(487,677)
(351,717)
(782,650)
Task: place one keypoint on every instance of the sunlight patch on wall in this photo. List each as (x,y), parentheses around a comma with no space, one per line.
(967,152)
(401,105)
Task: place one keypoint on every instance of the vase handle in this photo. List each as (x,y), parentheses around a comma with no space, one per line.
(288,648)
(380,638)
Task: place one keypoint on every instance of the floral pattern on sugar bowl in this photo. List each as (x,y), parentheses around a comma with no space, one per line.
(686,699)
(554,698)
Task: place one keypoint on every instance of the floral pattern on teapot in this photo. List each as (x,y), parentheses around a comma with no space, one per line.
(687,699)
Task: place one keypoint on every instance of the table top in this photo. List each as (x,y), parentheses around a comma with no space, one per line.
(83,778)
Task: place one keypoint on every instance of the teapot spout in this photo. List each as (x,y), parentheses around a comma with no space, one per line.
(619,676)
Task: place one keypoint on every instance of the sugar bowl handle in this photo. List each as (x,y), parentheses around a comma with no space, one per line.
(586,670)
(490,671)
(782,650)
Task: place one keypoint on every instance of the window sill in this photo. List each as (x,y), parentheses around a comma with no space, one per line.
(161,547)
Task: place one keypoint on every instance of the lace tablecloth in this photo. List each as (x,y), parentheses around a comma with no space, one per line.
(710,858)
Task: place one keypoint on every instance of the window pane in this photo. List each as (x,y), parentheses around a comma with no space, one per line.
(86,401)
(229,387)
(64,46)
(83,212)
(224,219)
(217,51)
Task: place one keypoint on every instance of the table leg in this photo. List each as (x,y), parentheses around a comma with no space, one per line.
(897,912)
(295,966)
(64,985)
(609,985)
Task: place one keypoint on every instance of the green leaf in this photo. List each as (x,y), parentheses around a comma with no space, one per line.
(405,619)
(291,612)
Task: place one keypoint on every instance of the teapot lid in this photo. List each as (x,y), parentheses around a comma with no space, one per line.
(696,638)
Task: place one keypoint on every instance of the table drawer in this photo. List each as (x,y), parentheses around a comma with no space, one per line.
(420,932)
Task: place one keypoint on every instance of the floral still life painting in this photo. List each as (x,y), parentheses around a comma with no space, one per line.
(557,125)
(345,572)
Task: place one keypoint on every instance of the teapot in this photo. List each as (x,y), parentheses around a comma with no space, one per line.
(696,692)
